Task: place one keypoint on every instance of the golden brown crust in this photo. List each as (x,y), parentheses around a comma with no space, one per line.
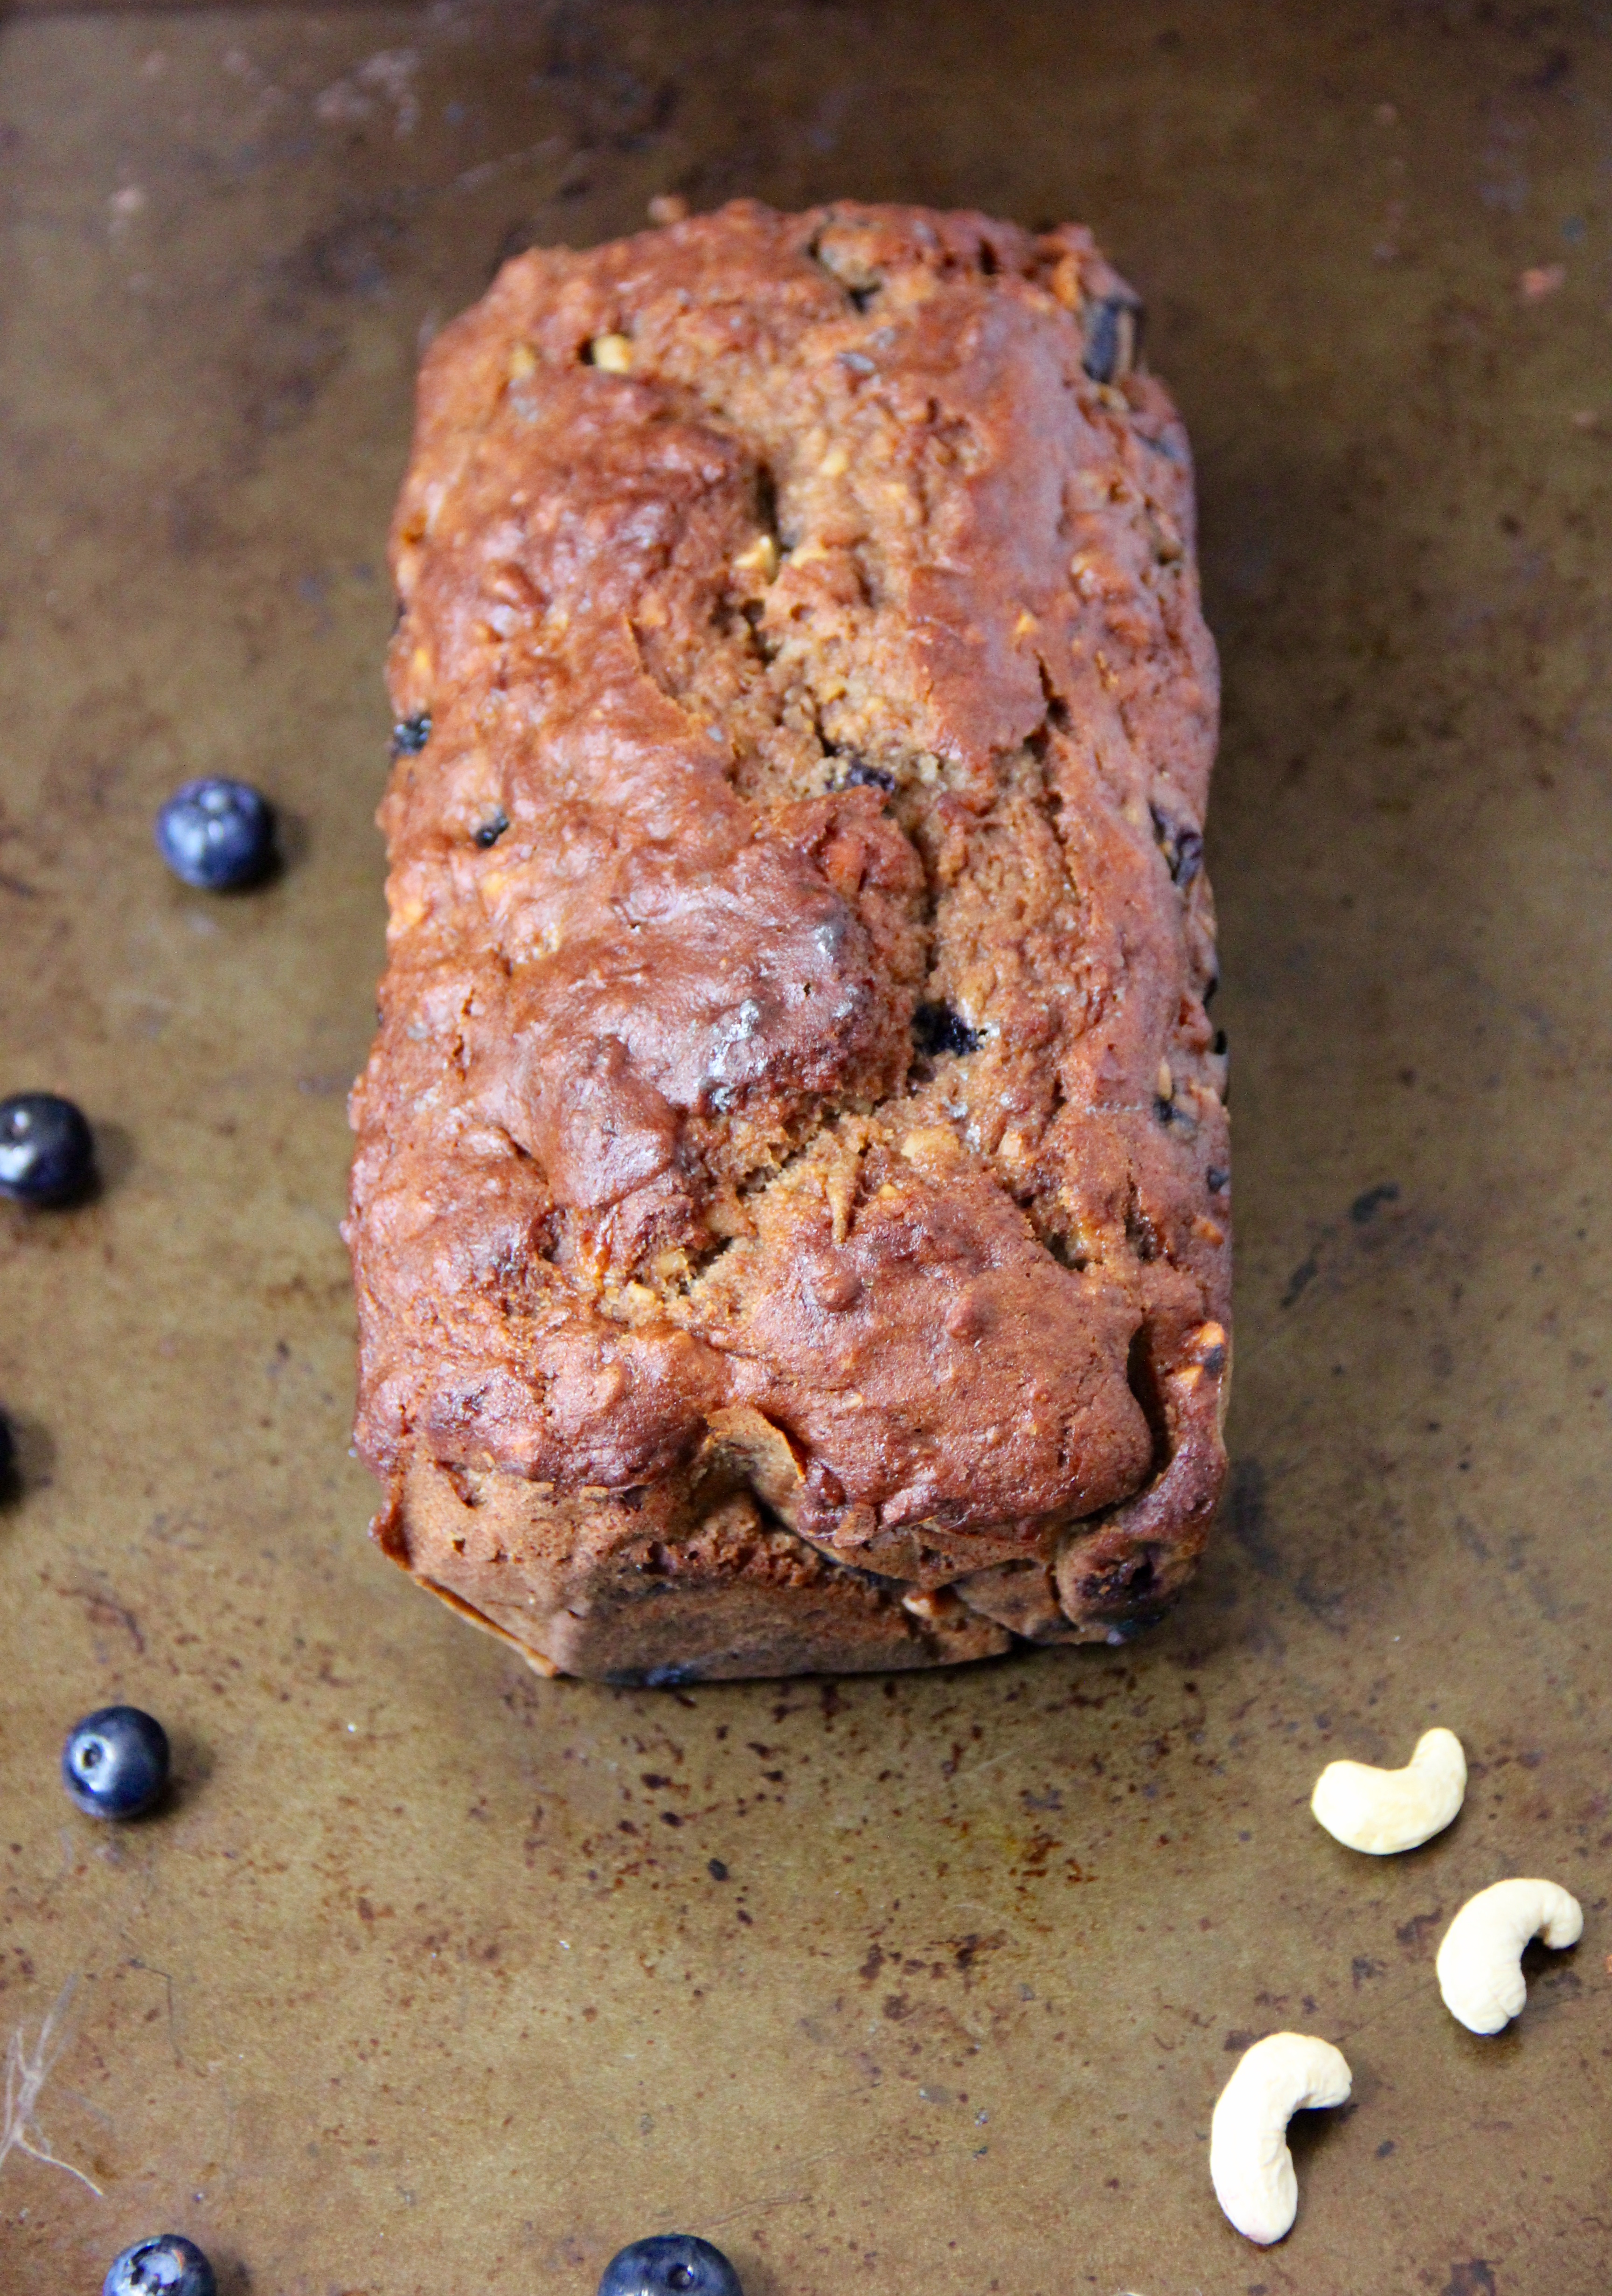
(790,1212)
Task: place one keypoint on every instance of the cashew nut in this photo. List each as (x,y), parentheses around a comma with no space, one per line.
(1479,1963)
(1381,1811)
(1248,2157)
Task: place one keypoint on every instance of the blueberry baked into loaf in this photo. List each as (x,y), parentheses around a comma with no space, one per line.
(790,1211)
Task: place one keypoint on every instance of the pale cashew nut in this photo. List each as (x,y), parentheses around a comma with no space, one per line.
(1479,1963)
(1380,1811)
(1248,2157)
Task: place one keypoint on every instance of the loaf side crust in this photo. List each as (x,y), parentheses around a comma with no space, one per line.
(791,1208)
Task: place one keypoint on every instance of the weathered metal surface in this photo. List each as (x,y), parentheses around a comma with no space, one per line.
(429,1977)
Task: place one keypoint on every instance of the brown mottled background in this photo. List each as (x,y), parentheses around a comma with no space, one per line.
(437,1977)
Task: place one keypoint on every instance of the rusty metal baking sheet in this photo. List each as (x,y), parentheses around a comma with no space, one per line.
(437,1976)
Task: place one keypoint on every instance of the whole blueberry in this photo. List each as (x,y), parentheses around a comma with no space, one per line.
(216,834)
(115,1764)
(169,2265)
(47,1153)
(670,2264)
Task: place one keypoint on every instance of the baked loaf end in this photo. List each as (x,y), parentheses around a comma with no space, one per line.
(790,1211)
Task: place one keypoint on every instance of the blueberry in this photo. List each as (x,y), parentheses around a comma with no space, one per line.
(669,1678)
(670,2264)
(409,735)
(1182,845)
(1113,328)
(936,1028)
(47,1153)
(217,835)
(115,1764)
(861,774)
(169,2265)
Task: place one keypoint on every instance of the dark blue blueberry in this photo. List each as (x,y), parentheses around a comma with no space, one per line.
(670,2264)
(169,2265)
(1113,329)
(936,1028)
(669,1678)
(489,832)
(47,1153)
(409,735)
(115,1763)
(1181,845)
(217,835)
(859,774)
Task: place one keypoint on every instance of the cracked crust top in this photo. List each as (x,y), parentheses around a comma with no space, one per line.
(790,1211)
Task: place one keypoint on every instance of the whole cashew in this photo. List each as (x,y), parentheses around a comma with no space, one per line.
(1479,1963)
(1381,1811)
(1248,2157)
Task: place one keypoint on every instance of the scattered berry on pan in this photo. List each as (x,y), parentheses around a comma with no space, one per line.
(115,1764)
(670,2264)
(169,2265)
(217,835)
(47,1153)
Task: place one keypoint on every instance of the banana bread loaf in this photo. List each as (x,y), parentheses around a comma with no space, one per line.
(790,1211)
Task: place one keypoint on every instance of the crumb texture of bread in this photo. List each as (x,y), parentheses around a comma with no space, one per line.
(791,1208)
